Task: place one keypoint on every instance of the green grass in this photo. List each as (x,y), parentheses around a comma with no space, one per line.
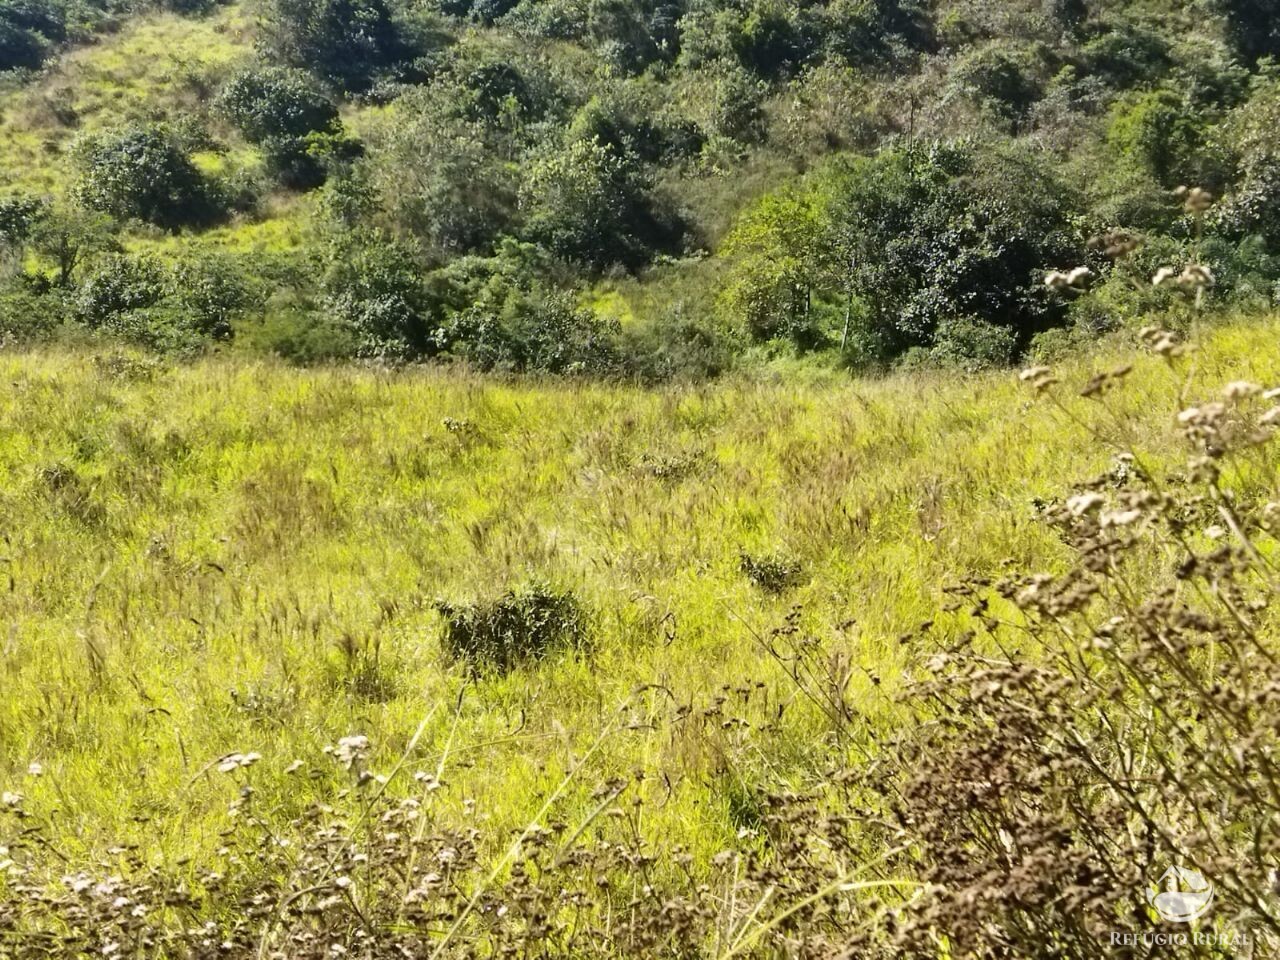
(237,556)
(156,67)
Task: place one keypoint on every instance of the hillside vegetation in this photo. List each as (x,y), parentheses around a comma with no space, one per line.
(293,658)
(630,188)
(551,479)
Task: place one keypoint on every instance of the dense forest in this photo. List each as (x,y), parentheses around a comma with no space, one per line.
(653,188)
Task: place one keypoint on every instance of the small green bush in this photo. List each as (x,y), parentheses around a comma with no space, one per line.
(518,627)
(118,284)
(27,316)
(300,336)
(144,173)
(774,573)
(276,102)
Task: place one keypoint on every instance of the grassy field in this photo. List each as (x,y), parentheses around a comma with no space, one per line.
(237,556)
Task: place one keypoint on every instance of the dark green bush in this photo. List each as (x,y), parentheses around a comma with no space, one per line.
(119,284)
(347,43)
(304,163)
(144,173)
(19,214)
(29,316)
(28,30)
(212,292)
(20,49)
(375,289)
(893,248)
(1167,133)
(442,181)
(1123,53)
(773,573)
(300,335)
(519,627)
(276,102)
(590,205)
(1003,77)
(970,344)
(518,331)
(1253,26)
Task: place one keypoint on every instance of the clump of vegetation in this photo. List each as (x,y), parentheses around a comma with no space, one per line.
(773,573)
(144,173)
(519,627)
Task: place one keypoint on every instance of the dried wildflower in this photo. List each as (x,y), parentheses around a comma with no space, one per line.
(1064,280)
(1119,518)
(1240,390)
(1195,200)
(1196,276)
(237,761)
(1084,503)
(1115,245)
(351,750)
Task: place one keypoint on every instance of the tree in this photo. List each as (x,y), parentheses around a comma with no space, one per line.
(590,205)
(273,102)
(70,236)
(19,213)
(143,173)
(28,28)
(1253,26)
(442,181)
(344,42)
(778,255)
(20,49)
(907,243)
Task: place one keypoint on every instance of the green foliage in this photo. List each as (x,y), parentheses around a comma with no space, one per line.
(971,345)
(1253,27)
(518,331)
(143,173)
(212,292)
(1165,133)
(442,183)
(519,627)
(1003,77)
(375,290)
(28,316)
(590,205)
(1123,53)
(300,335)
(119,284)
(918,239)
(273,102)
(68,236)
(28,30)
(19,215)
(346,43)
(773,573)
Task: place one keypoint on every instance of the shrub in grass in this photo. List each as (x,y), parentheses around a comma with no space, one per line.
(145,173)
(775,573)
(518,627)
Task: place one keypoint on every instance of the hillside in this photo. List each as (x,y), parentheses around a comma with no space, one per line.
(657,189)
(219,574)
(639,479)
